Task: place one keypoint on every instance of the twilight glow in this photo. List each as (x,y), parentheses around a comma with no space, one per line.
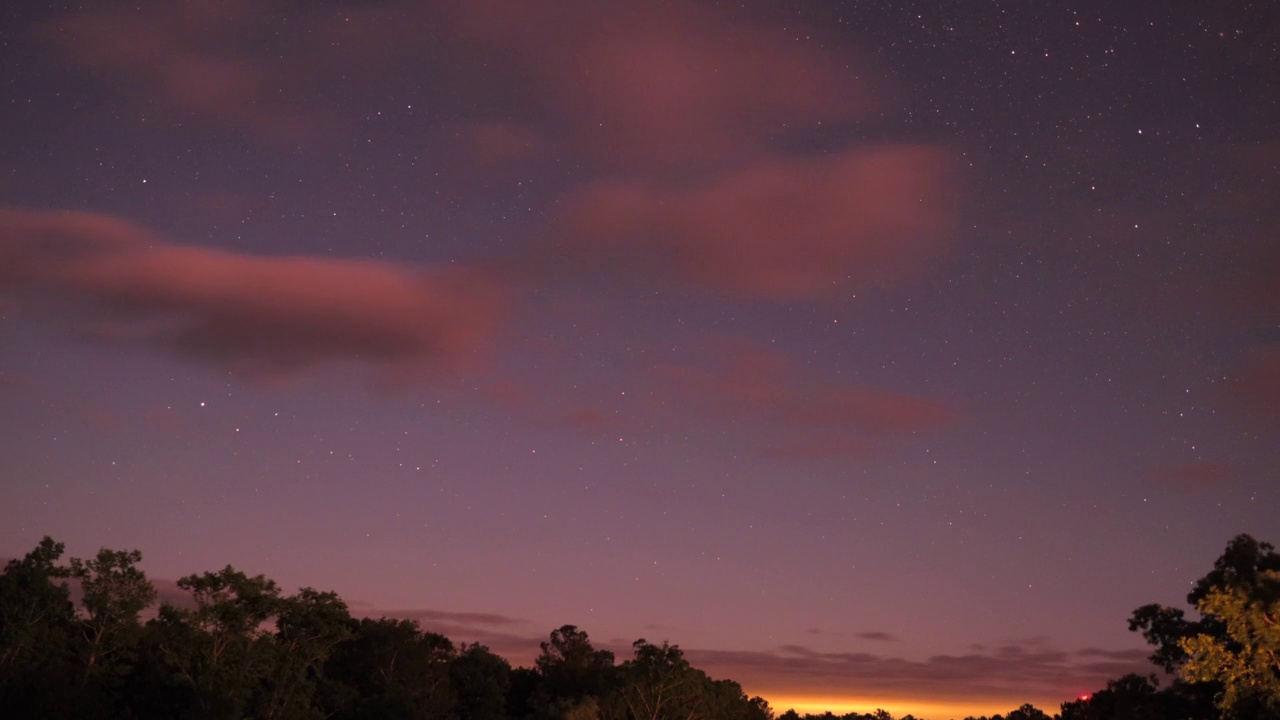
(876,354)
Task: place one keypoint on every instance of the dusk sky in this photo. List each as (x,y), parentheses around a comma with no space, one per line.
(876,354)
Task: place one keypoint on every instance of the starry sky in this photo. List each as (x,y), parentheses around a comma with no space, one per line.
(877,354)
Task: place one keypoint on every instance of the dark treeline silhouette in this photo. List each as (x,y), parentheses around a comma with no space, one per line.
(73,645)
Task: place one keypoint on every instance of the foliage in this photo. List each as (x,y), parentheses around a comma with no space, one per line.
(1166,627)
(1245,659)
(1232,650)
(481,681)
(37,626)
(113,594)
(394,670)
(658,683)
(570,670)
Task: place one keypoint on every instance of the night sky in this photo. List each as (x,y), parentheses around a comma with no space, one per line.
(876,354)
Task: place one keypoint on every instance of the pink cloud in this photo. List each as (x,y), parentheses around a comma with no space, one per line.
(783,228)
(738,375)
(680,83)
(589,420)
(665,84)
(1199,475)
(804,419)
(484,154)
(506,391)
(252,313)
(795,447)
(505,635)
(869,410)
(184,57)
(624,84)
(227,207)
(1257,385)
(500,142)
(680,102)
(1035,672)
(1259,291)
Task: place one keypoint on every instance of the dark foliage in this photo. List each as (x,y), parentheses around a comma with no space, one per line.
(241,649)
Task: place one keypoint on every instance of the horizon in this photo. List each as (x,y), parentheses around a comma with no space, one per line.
(469,626)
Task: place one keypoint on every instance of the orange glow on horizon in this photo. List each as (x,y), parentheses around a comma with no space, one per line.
(922,709)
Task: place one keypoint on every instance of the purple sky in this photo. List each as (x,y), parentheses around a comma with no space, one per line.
(875,354)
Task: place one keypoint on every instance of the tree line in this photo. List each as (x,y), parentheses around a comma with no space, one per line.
(73,645)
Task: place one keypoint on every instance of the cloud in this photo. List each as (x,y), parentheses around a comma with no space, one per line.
(1032,669)
(629,82)
(684,107)
(1124,656)
(736,374)
(168,593)
(810,418)
(1199,475)
(500,633)
(494,143)
(1017,671)
(221,206)
(252,313)
(589,420)
(782,228)
(806,447)
(680,112)
(872,635)
(503,634)
(188,57)
(870,410)
(1257,384)
(456,618)
(15,379)
(666,84)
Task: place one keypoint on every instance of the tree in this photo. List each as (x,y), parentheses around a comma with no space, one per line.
(32,605)
(659,683)
(309,626)
(1232,650)
(37,622)
(481,681)
(1163,628)
(725,700)
(1131,697)
(523,693)
(217,654)
(114,592)
(394,670)
(1166,627)
(1027,712)
(1246,658)
(571,670)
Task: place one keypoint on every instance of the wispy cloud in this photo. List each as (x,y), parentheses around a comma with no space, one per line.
(1202,476)
(781,228)
(257,314)
(801,415)
(1029,671)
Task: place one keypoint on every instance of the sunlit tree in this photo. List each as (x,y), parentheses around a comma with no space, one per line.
(1245,658)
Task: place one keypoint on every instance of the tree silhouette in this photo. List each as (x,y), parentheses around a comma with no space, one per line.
(113,593)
